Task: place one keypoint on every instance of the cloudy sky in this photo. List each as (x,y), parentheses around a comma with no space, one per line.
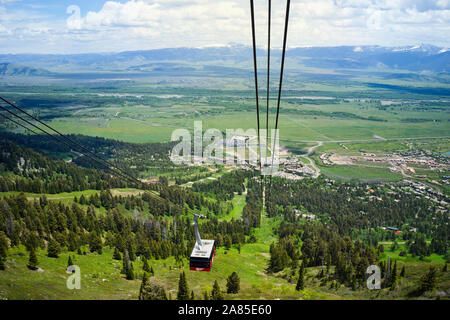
(78,26)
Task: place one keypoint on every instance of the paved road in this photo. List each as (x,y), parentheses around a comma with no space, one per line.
(367,140)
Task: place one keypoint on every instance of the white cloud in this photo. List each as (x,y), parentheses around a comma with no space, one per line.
(145,24)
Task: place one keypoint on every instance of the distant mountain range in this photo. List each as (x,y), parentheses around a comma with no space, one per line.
(235,57)
(9,69)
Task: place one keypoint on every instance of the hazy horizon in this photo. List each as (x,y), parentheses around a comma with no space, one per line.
(411,46)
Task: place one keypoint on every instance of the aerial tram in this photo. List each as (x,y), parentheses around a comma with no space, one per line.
(202,255)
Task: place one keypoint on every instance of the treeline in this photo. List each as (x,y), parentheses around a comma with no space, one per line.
(350,208)
(138,156)
(224,187)
(251,214)
(317,245)
(356,211)
(334,114)
(56,226)
(36,173)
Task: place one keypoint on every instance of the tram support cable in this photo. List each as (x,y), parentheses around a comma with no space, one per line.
(101,160)
(71,147)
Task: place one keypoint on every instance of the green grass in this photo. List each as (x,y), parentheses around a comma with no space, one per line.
(100,277)
(360,173)
(394,255)
(238,204)
(66,197)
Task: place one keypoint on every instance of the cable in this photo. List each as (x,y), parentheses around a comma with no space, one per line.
(286,22)
(17,123)
(109,164)
(256,77)
(68,145)
(268,71)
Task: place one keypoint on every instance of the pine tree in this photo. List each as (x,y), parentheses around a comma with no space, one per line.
(233,283)
(228,242)
(402,272)
(301,279)
(143,284)
(126,263)
(152,272)
(131,253)
(117,255)
(3,250)
(130,272)
(53,249)
(145,266)
(32,261)
(428,280)
(95,243)
(3,245)
(216,294)
(192,295)
(183,290)
(353,282)
(82,199)
(205,295)
(151,289)
(393,278)
(69,262)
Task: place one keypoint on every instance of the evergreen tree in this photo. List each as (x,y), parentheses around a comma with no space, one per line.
(393,278)
(126,262)
(145,266)
(95,243)
(152,272)
(117,255)
(216,294)
(151,289)
(131,253)
(192,295)
(353,282)
(32,261)
(53,248)
(301,277)
(69,262)
(233,283)
(428,281)
(228,242)
(183,290)
(3,245)
(205,295)
(402,272)
(143,284)
(130,272)
(3,250)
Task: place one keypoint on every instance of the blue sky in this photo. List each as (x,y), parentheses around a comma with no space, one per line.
(78,26)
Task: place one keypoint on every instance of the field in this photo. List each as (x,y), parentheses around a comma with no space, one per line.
(101,277)
(345,116)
